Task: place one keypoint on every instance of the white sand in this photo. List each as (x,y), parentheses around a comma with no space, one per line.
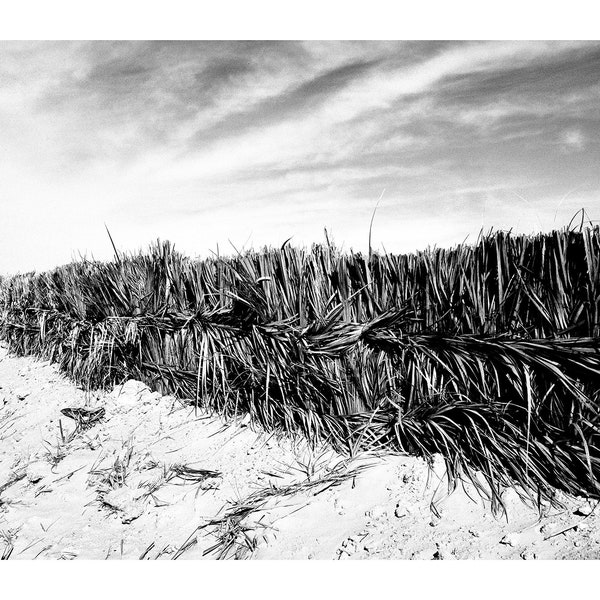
(90,498)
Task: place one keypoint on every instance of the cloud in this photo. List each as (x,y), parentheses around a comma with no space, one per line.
(160,137)
(573,140)
(296,101)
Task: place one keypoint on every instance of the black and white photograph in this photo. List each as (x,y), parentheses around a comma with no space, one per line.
(299,300)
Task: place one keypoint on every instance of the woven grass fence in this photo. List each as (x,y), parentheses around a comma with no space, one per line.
(486,353)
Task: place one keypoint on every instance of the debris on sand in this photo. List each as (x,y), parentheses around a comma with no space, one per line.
(126,501)
(22,393)
(84,417)
(154,473)
(38,470)
(511,539)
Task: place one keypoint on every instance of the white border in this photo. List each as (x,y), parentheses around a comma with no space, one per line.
(309,19)
(291,580)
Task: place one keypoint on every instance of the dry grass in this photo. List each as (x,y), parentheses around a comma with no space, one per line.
(240,527)
(487,353)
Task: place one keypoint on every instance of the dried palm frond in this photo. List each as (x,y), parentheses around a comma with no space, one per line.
(236,532)
(487,353)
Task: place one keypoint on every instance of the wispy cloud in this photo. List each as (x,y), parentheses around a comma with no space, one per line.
(204,141)
(573,140)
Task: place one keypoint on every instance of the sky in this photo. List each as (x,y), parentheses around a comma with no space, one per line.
(234,145)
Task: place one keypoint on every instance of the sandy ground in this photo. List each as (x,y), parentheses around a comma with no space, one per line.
(152,479)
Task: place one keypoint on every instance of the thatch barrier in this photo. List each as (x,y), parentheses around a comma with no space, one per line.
(488,354)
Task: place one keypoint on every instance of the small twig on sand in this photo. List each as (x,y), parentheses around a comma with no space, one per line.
(42,550)
(68,475)
(7,551)
(146,551)
(14,478)
(31,545)
(576,524)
